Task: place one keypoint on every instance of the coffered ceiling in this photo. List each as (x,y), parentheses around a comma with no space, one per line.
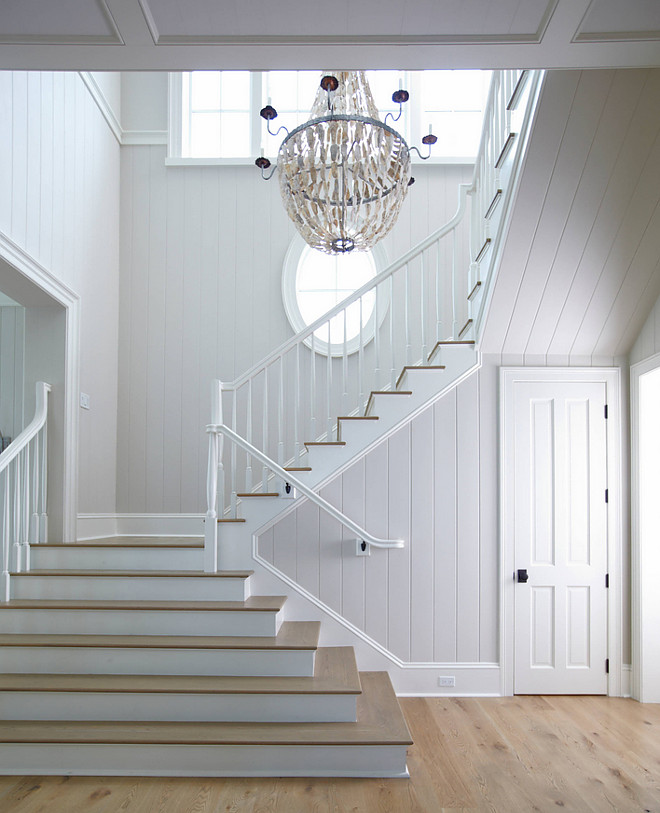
(257,34)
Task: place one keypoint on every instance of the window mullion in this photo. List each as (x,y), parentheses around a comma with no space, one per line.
(257,80)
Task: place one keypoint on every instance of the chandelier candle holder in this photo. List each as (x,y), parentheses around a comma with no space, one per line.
(344,174)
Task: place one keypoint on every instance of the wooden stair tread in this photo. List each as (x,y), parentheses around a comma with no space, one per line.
(373,393)
(380,722)
(132,574)
(417,367)
(131,542)
(335,673)
(297,468)
(298,635)
(259,494)
(325,443)
(358,418)
(438,345)
(251,604)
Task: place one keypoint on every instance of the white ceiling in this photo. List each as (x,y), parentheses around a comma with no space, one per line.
(258,34)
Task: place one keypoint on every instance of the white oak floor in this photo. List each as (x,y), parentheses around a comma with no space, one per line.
(590,754)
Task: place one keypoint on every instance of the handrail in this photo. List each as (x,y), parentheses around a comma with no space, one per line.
(392,268)
(40,415)
(360,533)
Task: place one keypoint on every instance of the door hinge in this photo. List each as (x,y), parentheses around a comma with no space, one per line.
(607,580)
(605,411)
(607,495)
(607,666)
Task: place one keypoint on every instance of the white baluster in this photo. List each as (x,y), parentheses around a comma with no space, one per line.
(211,522)
(406,306)
(25,505)
(280,415)
(392,360)
(377,338)
(344,366)
(328,386)
(361,401)
(264,470)
(43,488)
(248,467)
(423,311)
(233,472)
(34,494)
(454,267)
(312,391)
(17,512)
(6,532)
(296,409)
(438,296)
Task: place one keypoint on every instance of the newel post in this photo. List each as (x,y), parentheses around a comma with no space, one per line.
(215,472)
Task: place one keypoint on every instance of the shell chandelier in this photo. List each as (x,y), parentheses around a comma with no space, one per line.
(344,173)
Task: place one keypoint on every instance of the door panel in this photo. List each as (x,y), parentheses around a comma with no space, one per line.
(560,530)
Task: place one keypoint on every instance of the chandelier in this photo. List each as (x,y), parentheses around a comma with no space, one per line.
(344,174)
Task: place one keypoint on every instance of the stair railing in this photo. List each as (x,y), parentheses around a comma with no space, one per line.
(23,492)
(433,293)
(217,431)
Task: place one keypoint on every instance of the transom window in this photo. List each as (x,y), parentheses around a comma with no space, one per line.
(215,114)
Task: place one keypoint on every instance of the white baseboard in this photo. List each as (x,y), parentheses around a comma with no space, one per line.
(99,526)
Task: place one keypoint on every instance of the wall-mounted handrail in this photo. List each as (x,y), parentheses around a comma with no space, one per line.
(23,479)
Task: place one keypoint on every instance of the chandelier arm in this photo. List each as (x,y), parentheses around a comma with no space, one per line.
(392,116)
(272,172)
(423,157)
(278,131)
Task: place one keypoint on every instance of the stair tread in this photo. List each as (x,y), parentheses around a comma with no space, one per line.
(251,604)
(128,574)
(299,635)
(335,672)
(380,722)
(258,494)
(130,542)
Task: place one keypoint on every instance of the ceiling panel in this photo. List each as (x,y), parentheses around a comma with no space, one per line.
(62,22)
(369,20)
(608,20)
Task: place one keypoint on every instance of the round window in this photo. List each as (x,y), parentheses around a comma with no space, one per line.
(314,282)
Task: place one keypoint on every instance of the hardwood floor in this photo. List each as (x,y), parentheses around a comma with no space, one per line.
(505,755)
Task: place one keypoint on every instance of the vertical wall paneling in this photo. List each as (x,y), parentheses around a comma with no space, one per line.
(330,571)
(376,517)
(12,363)
(59,202)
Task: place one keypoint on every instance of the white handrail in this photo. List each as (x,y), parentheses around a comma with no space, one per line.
(288,477)
(23,472)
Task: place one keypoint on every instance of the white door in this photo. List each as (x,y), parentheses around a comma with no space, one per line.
(560,537)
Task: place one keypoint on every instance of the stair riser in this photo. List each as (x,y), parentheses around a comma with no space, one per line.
(109,588)
(130,661)
(50,759)
(139,622)
(249,708)
(78,558)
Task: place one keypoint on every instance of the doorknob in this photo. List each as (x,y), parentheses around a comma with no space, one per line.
(522,577)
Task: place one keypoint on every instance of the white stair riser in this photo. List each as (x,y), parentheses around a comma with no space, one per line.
(139,622)
(150,661)
(75,557)
(137,588)
(177,707)
(83,759)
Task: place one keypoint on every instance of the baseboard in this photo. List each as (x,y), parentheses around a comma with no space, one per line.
(626,680)
(99,526)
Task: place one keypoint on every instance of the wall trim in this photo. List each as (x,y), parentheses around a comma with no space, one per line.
(131,138)
(36,273)
(611,377)
(102,103)
(99,526)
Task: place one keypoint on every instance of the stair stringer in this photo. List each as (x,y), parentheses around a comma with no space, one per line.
(238,545)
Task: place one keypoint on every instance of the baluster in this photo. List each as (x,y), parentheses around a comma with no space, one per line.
(280,416)
(438,296)
(454,327)
(425,351)
(233,472)
(361,401)
(376,338)
(17,512)
(392,361)
(312,391)
(43,482)
(34,495)
(218,418)
(248,457)
(344,366)
(6,532)
(328,385)
(25,504)
(211,520)
(296,411)
(264,470)
(406,305)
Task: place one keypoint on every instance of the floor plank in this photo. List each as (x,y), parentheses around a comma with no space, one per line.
(503,755)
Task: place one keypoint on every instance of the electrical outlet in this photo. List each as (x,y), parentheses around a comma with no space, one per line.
(447,681)
(84,400)
(362,548)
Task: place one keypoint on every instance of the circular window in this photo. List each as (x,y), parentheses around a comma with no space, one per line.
(314,282)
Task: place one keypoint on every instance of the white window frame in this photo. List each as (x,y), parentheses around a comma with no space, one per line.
(412,83)
(298,323)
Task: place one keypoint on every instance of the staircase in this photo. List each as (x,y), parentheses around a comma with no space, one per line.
(136,657)
(115,664)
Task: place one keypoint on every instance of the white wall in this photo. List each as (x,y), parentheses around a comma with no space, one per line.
(202,253)
(59,201)
(12,351)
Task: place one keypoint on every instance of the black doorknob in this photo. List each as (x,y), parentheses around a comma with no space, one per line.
(522,576)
